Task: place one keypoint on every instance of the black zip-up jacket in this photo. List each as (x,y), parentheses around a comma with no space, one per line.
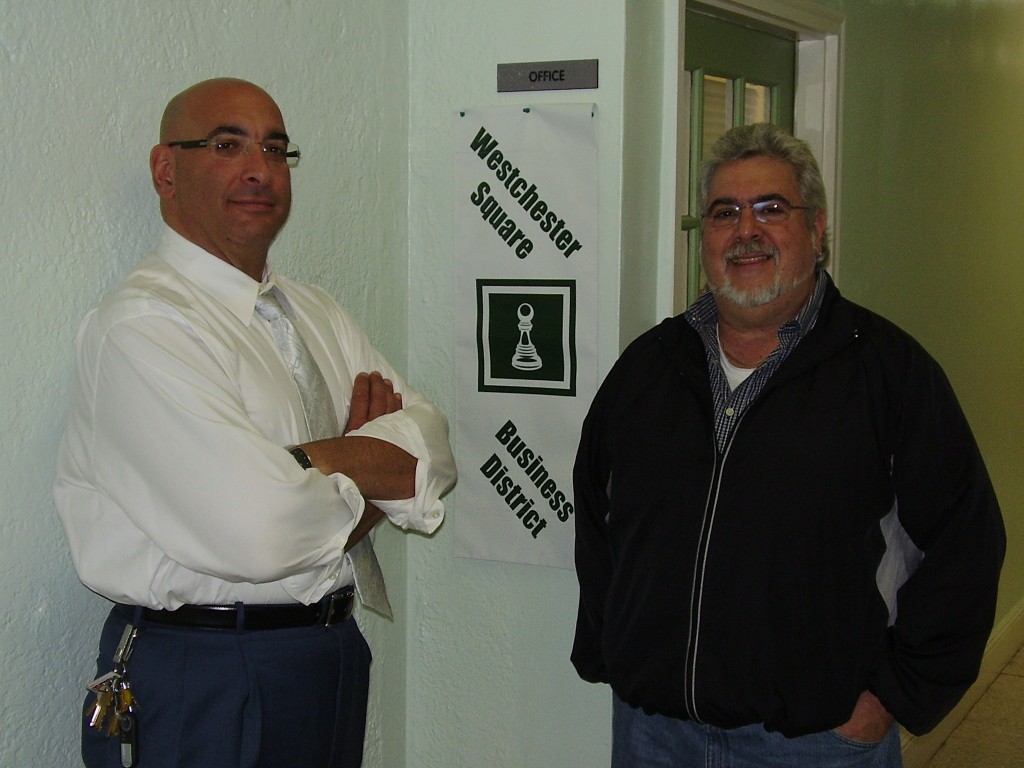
(739,586)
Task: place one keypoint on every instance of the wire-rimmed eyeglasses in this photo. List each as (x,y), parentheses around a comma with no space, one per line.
(772,211)
(229,147)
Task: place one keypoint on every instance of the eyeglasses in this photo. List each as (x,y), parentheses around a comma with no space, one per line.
(772,211)
(233,147)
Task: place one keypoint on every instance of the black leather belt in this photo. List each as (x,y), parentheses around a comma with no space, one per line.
(332,609)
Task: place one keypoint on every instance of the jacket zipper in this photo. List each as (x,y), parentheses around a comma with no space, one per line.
(697,588)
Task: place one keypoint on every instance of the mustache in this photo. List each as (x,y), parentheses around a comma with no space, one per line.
(745,250)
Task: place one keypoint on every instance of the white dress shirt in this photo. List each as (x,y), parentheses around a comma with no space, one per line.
(173,482)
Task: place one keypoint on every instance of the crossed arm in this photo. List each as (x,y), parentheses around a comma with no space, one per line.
(379,469)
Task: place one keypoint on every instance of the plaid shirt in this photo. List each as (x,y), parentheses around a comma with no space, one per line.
(731,404)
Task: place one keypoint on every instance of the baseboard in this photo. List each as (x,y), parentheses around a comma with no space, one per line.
(1006,639)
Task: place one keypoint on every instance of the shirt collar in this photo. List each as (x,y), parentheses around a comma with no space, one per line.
(230,286)
(808,316)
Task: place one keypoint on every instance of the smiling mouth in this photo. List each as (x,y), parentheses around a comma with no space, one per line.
(741,260)
(255,205)
(743,255)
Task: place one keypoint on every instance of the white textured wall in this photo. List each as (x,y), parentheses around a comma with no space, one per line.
(490,684)
(82,86)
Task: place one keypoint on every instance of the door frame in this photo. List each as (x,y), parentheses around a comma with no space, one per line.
(817,116)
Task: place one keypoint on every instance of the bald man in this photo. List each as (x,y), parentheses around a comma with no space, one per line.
(201,496)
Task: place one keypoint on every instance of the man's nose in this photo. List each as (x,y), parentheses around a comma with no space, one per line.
(256,163)
(748,225)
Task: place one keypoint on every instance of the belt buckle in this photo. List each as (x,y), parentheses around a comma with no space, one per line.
(338,607)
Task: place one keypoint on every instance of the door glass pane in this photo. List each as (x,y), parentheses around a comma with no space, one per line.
(758,101)
(717,109)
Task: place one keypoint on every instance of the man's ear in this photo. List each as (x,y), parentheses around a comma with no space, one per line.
(161,166)
(820,225)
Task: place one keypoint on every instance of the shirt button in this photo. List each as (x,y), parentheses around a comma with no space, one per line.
(729,412)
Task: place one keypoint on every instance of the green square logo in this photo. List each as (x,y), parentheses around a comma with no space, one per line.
(526,336)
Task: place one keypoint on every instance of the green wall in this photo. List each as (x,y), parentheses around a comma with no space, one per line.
(932,182)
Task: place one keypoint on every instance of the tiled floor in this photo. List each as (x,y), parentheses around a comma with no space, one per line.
(992,734)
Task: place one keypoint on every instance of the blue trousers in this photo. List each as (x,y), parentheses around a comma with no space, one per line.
(221,699)
(640,740)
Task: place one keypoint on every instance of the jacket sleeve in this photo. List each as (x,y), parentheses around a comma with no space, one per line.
(591,486)
(947,505)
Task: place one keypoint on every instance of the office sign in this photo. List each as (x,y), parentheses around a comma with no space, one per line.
(547,75)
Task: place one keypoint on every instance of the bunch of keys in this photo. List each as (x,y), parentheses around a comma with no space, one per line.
(115,706)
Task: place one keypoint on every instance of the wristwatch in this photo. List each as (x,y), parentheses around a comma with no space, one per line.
(300,456)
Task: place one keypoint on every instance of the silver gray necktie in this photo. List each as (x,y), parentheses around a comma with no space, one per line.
(322,421)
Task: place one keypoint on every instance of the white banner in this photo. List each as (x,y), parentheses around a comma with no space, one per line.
(526,327)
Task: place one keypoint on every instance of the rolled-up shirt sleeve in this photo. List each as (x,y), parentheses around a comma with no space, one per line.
(174,482)
(173,449)
(421,431)
(420,428)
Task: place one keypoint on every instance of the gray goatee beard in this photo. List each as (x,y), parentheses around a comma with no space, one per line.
(754,297)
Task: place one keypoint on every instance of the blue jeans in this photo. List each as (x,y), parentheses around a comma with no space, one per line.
(640,740)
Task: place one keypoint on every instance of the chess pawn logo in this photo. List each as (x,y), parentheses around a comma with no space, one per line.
(526,357)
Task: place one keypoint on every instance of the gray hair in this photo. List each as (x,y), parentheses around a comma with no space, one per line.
(767,140)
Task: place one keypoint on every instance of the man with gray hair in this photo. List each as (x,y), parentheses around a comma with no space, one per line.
(787,540)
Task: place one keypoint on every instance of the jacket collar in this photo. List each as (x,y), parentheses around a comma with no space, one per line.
(834,328)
